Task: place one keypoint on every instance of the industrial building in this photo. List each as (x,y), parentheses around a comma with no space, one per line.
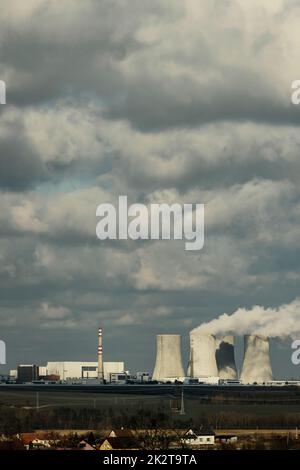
(72,370)
(27,373)
(69,370)
(143,376)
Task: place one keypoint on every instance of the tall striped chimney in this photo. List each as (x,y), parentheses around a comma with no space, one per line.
(100,357)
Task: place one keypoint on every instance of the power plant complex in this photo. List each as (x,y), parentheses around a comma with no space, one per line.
(211,361)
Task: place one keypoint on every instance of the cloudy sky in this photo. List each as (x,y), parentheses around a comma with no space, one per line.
(165,101)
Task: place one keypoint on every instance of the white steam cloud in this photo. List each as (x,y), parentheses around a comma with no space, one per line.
(283,321)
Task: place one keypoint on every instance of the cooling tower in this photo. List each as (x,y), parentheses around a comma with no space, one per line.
(256,365)
(225,358)
(202,356)
(168,364)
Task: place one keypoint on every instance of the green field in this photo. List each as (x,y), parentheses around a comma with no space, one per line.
(193,406)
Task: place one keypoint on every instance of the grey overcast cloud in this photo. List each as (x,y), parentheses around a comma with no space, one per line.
(164,101)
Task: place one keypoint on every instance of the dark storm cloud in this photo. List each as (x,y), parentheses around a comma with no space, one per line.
(153,107)
(166,101)
(72,49)
(47,144)
(158,68)
(20,166)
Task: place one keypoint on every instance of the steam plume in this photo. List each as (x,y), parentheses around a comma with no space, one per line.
(282,321)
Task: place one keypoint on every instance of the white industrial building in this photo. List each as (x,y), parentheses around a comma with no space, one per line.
(13,374)
(68,370)
(143,376)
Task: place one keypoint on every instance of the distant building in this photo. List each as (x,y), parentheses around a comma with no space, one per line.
(118,378)
(143,376)
(209,380)
(27,373)
(49,378)
(111,368)
(13,374)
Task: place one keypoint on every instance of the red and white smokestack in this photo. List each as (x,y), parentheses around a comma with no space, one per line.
(100,356)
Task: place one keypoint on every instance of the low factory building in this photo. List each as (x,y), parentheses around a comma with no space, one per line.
(66,370)
(209,380)
(143,376)
(81,370)
(13,374)
(27,372)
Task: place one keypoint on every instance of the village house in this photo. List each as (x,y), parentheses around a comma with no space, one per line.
(198,437)
(84,445)
(118,443)
(35,440)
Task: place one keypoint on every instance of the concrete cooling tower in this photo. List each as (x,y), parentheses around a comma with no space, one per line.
(168,366)
(256,365)
(202,361)
(225,358)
